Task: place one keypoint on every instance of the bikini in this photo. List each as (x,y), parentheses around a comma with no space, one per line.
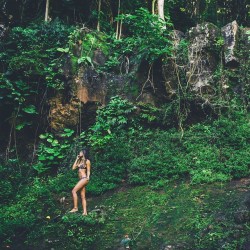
(83,166)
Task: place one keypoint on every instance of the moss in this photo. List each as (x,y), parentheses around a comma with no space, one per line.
(197,217)
(179,214)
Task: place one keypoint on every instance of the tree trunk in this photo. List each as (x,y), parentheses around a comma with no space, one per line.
(161,9)
(153,7)
(161,12)
(120,32)
(99,13)
(47,11)
(118,23)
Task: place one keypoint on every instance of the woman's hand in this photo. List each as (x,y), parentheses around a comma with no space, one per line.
(75,163)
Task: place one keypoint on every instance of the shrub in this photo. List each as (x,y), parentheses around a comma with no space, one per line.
(52,152)
(152,43)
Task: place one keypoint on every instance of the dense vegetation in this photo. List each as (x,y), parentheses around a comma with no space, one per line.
(184,13)
(189,138)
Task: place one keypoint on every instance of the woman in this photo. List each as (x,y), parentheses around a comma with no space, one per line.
(83,165)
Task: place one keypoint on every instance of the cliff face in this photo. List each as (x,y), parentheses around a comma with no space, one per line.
(207,66)
(206,48)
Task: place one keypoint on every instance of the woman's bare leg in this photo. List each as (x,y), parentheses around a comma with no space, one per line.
(77,187)
(84,203)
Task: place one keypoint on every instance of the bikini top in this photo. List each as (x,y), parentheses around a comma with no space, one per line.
(83,166)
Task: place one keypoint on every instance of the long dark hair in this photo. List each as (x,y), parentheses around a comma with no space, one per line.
(86,153)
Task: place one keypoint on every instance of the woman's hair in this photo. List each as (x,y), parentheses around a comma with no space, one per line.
(86,153)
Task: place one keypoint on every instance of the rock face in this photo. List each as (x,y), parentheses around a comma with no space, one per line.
(63,115)
(202,56)
(90,86)
(197,61)
(169,70)
(99,58)
(170,78)
(230,33)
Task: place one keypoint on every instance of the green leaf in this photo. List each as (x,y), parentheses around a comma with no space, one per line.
(39,167)
(81,60)
(55,143)
(56,153)
(89,59)
(41,158)
(20,126)
(31,109)
(85,60)
(67,132)
(66,50)
(43,136)
(50,150)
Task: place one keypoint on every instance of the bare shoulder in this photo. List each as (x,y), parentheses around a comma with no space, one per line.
(88,162)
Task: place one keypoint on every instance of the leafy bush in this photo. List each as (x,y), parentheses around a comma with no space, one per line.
(111,119)
(25,210)
(32,68)
(86,42)
(148,38)
(32,51)
(206,153)
(13,172)
(218,151)
(51,153)
(121,117)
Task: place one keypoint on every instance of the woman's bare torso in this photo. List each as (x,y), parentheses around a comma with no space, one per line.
(82,173)
(82,169)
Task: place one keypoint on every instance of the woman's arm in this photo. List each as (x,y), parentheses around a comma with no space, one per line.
(88,168)
(75,165)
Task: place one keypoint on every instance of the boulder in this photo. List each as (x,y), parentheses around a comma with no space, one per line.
(202,56)
(230,33)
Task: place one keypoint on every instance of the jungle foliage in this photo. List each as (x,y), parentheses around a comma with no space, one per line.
(183,13)
(131,143)
(32,69)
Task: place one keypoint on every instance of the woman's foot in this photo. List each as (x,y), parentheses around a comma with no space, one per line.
(73,210)
(84,214)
